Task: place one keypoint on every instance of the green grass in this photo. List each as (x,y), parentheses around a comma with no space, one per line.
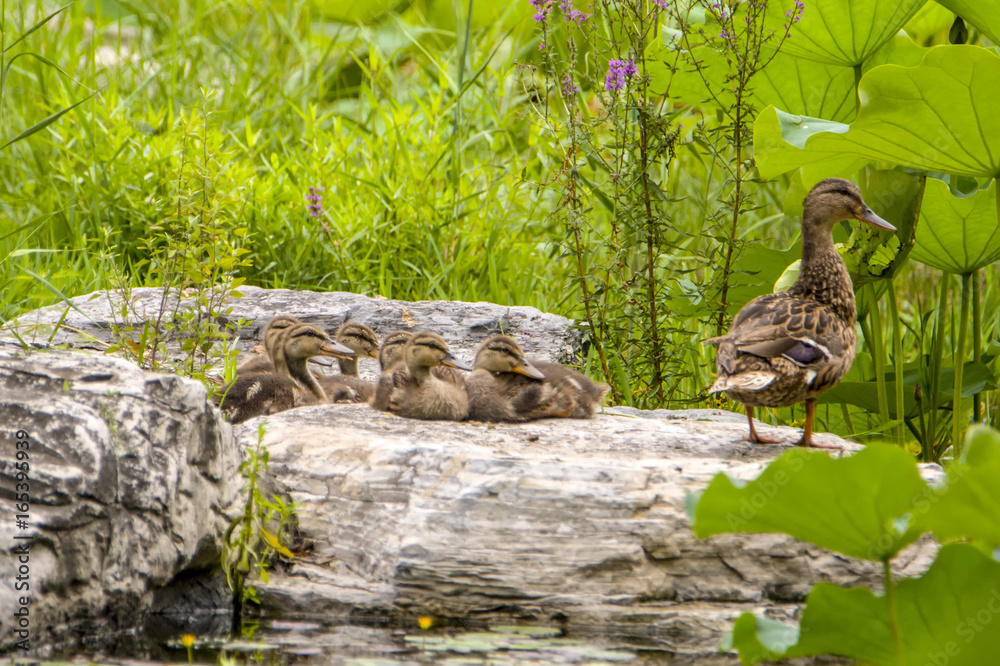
(432,188)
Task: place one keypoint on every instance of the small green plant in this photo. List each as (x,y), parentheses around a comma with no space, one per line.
(248,545)
(193,252)
(870,506)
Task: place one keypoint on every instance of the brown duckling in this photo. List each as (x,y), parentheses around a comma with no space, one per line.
(292,384)
(577,390)
(258,362)
(391,351)
(789,347)
(425,385)
(389,354)
(505,387)
(261,356)
(348,385)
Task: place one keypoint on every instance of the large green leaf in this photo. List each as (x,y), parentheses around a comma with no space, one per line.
(849,505)
(806,87)
(969,506)
(931,20)
(842,32)
(976,377)
(957,234)
(944,617)
(943,116)
(984,14)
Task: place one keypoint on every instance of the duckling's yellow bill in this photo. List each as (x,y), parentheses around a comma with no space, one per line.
(336,350)
(871,218)
(528,370)
(373,353)
(453,362)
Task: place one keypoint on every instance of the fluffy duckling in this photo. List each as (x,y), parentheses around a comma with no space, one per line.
(389,355)
(505,387)
(425,385)
(581,394)
(791,346)
(391,351)
(292,385)
(258,362)
(348,385)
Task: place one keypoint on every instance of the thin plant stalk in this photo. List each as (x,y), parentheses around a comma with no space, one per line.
(897,363)
(937,353)
(958,421)
(977,340)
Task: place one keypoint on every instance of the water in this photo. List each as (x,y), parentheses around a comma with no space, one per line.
(315,641)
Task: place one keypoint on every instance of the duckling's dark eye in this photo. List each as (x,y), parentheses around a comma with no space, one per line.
(844,191)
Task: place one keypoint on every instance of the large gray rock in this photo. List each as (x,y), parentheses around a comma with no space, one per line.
(132,476)
(462,325)
(581,523)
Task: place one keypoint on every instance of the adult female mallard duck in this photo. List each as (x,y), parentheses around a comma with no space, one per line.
(292,384)
(789,347)
(348,385)
(425,385)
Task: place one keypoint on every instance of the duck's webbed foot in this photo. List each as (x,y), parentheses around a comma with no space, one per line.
(756,437)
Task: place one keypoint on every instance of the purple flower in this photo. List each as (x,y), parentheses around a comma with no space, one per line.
(569,88)
(315,200)
(571,14)
(619,71)
(721,11)
(662,4)
(542,8)
(795,13)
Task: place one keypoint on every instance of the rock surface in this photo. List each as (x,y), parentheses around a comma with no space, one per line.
(581,523)
(462,325)
(131,478)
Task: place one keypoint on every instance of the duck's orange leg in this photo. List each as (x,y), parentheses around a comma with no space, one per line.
(753,436)
(807,439)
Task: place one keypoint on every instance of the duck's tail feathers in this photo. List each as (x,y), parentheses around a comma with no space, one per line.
(715,341)
(745,381)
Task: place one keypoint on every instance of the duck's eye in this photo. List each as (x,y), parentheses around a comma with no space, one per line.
(844,191)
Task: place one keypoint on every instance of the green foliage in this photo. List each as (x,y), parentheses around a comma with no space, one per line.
(870,505)
(942,116)
(846,505)
(452,165)
(842,32)
(957,234)
(254,538)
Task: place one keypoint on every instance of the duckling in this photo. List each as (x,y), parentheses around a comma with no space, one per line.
(505,387)
(420,387)
(292,385)
(389,354)
(391,351)
(348,384)
(789,347)
(579,391)
(258,362)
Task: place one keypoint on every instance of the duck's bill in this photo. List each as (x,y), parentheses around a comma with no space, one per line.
(336,350)
(321,360)
(373,353)
(528,370)
(871,218)
(453,362)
